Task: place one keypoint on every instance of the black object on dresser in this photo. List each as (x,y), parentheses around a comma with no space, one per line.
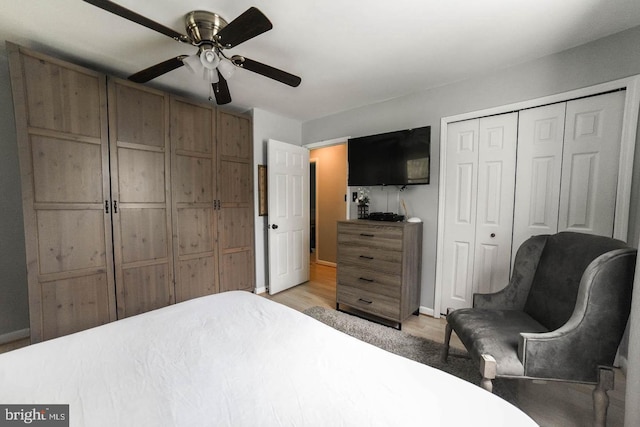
(379,267)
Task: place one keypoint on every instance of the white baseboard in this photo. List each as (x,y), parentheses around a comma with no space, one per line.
(15,336)
(426,310)
(260,290)
(621,362)
(327,263)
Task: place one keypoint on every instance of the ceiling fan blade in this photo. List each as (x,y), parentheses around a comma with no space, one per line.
(246,26)
(266,70)
(221,91)
(157,70)
(139,19)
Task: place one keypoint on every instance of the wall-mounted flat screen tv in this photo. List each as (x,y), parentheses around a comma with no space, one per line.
(393,158)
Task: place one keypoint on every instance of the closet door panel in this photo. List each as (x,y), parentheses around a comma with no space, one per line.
(194,183)
(539,170)
(195,231)
(61,127)
(197,277)
(497,141)
(143,234)
(590,164)
(235,193)
(194,194)
(63,98)
(236,271)
(145,289)
(70,240)
(66,171)
(141,176)
(72,305)
(140,183)
(235,182)
(460,213)
(141,116)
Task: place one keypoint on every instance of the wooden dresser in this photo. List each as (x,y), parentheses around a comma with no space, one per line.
(379,266)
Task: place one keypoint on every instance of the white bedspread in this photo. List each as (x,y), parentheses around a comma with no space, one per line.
(237,359)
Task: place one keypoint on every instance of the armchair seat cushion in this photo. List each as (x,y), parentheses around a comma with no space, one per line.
(494,332)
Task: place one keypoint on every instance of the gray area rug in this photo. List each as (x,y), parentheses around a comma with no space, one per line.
(415,348)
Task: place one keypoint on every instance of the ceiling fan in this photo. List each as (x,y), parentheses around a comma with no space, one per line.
(211,34)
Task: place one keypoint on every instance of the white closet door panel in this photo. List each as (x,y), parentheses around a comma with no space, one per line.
(494,216)
(460,214)
(539,167)
(590,164)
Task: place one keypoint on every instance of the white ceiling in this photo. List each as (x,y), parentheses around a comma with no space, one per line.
(349,53)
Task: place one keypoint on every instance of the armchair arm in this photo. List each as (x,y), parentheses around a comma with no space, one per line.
(592,334)
(514,295)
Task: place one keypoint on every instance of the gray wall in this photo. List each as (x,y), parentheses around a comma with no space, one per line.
(603,60)
(14,311)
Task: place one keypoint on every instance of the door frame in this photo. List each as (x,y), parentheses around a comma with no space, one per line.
(314,146)
(625,173)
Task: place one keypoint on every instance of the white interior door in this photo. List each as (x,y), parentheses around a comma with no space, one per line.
(590,164)
(288,215)
(539,168)
(497,143)
(460,214)
(478,217)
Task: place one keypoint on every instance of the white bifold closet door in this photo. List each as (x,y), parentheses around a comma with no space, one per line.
(480,176)
(565,179)
(567,171)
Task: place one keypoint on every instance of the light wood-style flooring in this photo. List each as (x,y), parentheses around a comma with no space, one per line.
(549,404)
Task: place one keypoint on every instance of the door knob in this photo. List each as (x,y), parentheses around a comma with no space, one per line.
(274,226)
(493,235)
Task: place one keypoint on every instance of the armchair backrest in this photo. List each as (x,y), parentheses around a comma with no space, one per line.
(554,290)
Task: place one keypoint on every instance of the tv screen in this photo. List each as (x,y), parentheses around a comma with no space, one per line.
(393,158)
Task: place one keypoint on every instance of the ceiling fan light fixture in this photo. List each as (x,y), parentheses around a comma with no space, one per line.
(210,75)
(226,68)
(193,64)
(209,59)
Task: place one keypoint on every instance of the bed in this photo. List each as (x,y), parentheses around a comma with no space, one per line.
(238,359)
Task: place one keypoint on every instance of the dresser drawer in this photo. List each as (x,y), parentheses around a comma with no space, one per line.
(371,281)
(371,258)
(376,236)
(371,302)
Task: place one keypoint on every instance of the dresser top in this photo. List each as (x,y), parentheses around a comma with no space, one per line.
(381,223)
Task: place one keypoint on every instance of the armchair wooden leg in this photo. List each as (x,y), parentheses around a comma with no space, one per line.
(488,369)
(600,397)
(445,348)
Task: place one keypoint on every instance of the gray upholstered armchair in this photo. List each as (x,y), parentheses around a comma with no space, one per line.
(561,317)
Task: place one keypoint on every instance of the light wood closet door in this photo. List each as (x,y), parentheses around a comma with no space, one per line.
(140,174)
(194,168)
(61,122)
(235,194)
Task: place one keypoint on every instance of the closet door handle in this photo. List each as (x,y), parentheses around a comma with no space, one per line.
(106,206)
(115,206)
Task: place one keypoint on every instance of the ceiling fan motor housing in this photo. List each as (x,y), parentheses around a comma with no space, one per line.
(203,26)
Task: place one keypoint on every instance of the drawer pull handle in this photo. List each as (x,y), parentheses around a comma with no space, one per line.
(365,301)
(366,257)
(367,235)
(366,280)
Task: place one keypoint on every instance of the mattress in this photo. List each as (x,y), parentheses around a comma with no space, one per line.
(238,359)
